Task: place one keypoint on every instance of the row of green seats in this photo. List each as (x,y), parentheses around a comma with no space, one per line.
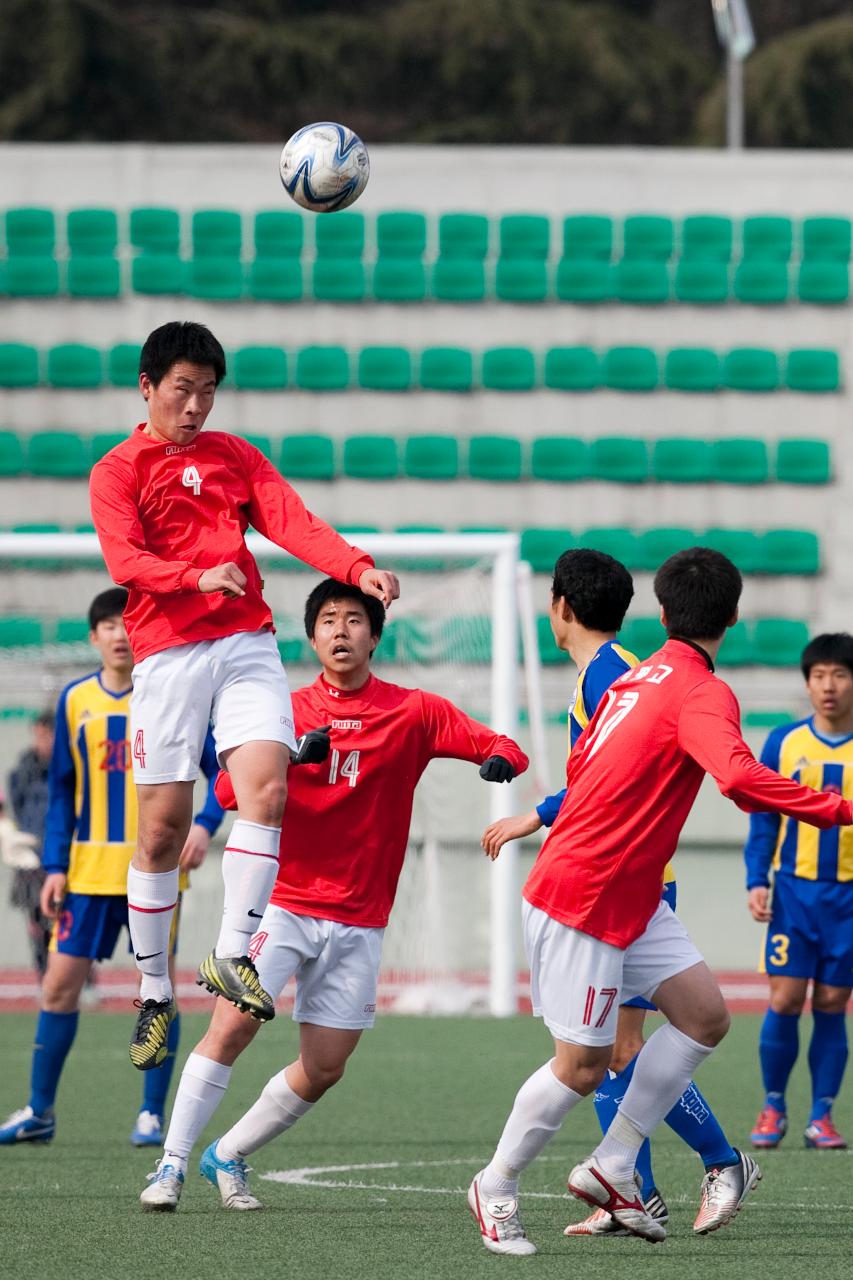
(328,368)
(20,631)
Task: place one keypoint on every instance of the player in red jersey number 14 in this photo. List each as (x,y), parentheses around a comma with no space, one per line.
(171,505)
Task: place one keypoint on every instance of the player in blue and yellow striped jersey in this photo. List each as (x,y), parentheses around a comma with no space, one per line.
(89,841)
(590,595)
(810,919)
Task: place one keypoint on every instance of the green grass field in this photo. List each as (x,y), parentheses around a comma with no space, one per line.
(384,1163)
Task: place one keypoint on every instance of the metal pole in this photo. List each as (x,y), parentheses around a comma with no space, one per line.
(734,101)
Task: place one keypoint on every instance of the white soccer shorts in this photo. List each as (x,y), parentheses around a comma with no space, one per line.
(336,967)
(578,982)
(236,682)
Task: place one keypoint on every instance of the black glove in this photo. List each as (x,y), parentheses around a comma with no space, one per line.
(312,747)
(497,769)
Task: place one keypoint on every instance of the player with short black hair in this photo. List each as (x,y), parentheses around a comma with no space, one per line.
(596,588)
(180,341)
(698,590)
(329,590)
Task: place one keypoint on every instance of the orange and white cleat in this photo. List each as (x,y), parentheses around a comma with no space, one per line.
(770,1128)
(822,1135)
(499,1222)
(723,1192)
(620,1198)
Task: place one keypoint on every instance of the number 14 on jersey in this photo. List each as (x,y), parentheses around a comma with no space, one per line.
(348,769)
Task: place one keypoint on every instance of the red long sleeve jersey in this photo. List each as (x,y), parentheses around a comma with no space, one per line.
(632,779)
(164,513)
(346,823)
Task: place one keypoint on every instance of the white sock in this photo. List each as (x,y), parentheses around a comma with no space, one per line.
(200,1090)
(665,1066)
(541,1105)
(249,868)
(151,900)
(278,1108)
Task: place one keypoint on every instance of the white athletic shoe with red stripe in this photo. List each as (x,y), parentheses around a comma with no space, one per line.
(618,1197)
(500,1225)
(601,1223)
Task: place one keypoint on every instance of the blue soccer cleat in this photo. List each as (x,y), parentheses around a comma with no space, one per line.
(230,1179)
(148,1130)
(26,1126)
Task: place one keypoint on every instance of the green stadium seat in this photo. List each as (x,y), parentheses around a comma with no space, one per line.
(508,369)
(92,231)
(11,454)
(741,546)
(279,233)
(340,235)
(57,453)
(762,281)
(71,631)
(218,279)
(631,369)
(30,232)
(275,279)
(15,632)
(619,459)
(707,236)
(260,368)
(620,543)
(803,462)
(779,642)
(385,368)
(588,235)
(642,636)
(737,648)
(495,458)
(647,236)
(812,369)
(401,235)
(524,235)
(828,239)
(704,281)
(158,273)
(572,369)
(156,230)
(751,369)
(641,280)
(398,279)
(768,237)
(692,369)
(767,719)
(542,548)
(371,457)
(521,280)
(338,279)
(559,459)
(549,654)
(823,281)
(458,279)
(30,276)
(463,235)
(322,368)
(123,364)
(307,457)
(19,365)
(262,443)
(446,369)
(73,364)
(657,545)
(676,460)
(431,458)
(93,277)
(584,280)
(217,233)
(739,460)
(104,441)
(794,551)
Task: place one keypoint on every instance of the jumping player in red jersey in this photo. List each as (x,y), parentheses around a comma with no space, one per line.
(596,929)
(171,506)
(342,848)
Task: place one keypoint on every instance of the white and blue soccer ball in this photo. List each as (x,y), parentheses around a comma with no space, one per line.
(324,166)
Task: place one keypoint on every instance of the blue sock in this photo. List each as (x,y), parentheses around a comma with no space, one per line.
(778,1046)
(608,1095)
(695,1123)
(827,1060)
(55,1034)
(157,1082)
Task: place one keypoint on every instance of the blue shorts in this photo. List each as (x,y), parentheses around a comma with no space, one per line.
(639,1002)
(90,923)
(810,934)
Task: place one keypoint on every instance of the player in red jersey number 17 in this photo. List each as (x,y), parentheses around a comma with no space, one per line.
(171,505)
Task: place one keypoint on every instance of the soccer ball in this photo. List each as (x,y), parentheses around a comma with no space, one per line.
(324,167)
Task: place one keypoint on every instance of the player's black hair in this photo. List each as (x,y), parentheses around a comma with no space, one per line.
(330,589)
(834,648)
(109,604)
(180,340)
(597,588)
(699,590)
(46,719)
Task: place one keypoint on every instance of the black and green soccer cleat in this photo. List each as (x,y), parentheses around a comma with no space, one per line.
(236,979)
(148,1048)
